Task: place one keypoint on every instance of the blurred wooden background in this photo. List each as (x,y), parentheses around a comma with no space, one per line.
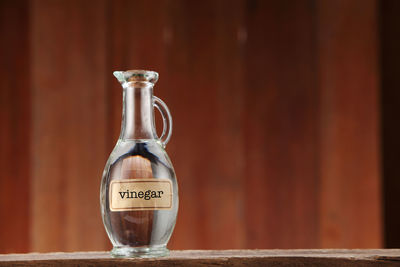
(276,107)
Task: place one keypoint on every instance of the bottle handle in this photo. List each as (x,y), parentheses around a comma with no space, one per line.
(167,120)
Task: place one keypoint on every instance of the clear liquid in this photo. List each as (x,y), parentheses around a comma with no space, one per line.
(145,232)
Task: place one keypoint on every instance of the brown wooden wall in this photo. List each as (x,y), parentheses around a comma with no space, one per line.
(275,107)
(390,99)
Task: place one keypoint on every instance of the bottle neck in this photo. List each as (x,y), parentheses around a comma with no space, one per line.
(137,114)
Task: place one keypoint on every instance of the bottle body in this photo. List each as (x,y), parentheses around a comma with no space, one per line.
(138,232)
(139,191)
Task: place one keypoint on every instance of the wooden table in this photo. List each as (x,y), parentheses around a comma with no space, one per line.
(337,257)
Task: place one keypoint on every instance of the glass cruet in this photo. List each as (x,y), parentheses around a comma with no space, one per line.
(139,191)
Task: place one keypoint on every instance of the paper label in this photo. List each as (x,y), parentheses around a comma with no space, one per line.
(140,194)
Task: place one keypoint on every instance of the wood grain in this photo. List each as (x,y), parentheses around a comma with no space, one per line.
(15,104)
(280,123)
(215,258)
(179,81)
(275,107)
(225,195)
(350,203)
(390,101)
(69,126)
(207,141)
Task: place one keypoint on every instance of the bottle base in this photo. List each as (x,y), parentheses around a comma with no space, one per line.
(139,252)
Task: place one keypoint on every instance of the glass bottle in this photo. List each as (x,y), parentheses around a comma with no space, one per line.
(139,192)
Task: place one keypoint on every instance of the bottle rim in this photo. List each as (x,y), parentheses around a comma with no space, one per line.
(136,76)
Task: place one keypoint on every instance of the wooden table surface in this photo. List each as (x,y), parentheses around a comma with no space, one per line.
(330,257)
